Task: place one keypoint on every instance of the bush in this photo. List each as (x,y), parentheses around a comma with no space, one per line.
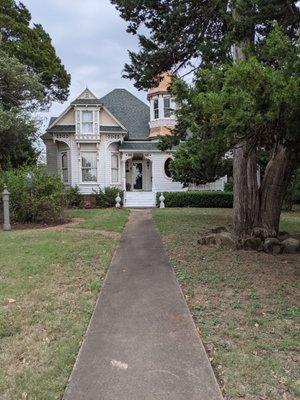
(73,197)
(208,199)
(35,196)
(228,187)
(106,197)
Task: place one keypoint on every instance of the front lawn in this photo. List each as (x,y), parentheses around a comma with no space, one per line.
(245,304)
(49,282)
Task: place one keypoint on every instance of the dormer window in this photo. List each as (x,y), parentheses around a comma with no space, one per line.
(167,107)
(87,121)
(156,109)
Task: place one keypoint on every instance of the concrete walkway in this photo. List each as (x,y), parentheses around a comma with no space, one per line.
(142,343)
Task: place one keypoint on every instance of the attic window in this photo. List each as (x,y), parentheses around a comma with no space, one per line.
(87,121)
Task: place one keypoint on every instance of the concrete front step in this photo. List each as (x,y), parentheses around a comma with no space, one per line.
(140,199)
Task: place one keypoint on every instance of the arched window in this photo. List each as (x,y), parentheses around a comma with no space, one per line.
(167,167)
(64,167)
(114,168)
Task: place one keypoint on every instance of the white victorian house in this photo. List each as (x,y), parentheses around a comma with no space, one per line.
(112,141)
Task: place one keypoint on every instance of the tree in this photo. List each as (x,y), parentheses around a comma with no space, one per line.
(21,93)
(32,46)
(206,36)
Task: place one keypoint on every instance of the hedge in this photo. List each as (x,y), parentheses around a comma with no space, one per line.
(209,199)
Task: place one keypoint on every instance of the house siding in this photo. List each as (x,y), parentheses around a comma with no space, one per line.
(52,157)
(161,182)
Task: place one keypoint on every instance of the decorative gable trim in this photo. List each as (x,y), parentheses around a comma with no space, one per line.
(87,95)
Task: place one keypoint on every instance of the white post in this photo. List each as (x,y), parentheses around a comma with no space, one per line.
(6,218)
(118,200)
(162,201)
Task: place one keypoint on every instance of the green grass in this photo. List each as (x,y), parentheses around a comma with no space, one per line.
(109,219)
(49,282)
(244,304)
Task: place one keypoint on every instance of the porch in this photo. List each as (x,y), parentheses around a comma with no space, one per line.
(138,180)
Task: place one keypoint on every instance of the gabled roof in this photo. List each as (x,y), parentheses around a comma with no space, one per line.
(62,128)
(133,113)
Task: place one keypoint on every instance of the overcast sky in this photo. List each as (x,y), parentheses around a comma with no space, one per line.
(91,40)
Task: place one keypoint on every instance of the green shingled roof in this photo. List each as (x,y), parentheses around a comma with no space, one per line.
(62,128)
(106,128)
(147,145)
(130,111)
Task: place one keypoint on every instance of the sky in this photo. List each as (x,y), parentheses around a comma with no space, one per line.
(91,40)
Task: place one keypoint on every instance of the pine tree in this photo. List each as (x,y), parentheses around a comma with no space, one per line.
(244,96)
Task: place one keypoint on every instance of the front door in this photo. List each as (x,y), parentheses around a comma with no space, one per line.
(137,175)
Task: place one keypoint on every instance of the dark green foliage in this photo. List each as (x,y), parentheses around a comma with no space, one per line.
(228,187)
(35,196)
(32,46)
(105,198)
(197,33)
(21,93)
(209,199)
(74,198)
(234,102)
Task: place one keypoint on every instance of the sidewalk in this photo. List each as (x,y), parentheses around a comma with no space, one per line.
(141,343)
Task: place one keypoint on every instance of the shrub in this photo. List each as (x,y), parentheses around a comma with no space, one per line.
(35,196)
(105,198)
(228,187)
(73,197)
(211,199)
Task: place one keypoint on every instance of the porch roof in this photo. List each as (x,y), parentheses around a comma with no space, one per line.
(142,146)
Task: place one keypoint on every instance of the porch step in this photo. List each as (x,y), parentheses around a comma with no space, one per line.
(140,199)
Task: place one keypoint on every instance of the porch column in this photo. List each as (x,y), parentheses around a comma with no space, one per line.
(125,157)
(149,157)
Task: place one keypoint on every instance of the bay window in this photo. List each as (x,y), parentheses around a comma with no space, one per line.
(87,121)
(115,168)
(64,167)
(89,166)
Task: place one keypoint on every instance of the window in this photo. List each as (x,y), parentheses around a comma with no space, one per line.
(167,107)
(114,168)
(64,168)
(156,109)
(87,121)
(89,166)
(167,167)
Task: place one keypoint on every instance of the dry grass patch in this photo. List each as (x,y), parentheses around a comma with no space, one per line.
(49,282)
(245,304)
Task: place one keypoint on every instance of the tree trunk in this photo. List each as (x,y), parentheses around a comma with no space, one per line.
(245,189)
(273,190)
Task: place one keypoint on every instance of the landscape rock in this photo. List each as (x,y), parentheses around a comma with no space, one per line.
(272,246)
(283,235)
(251,243)
(218,229)
(222,239)
(225,240)
(290,245)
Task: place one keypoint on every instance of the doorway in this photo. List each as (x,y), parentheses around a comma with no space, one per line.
(137,175)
